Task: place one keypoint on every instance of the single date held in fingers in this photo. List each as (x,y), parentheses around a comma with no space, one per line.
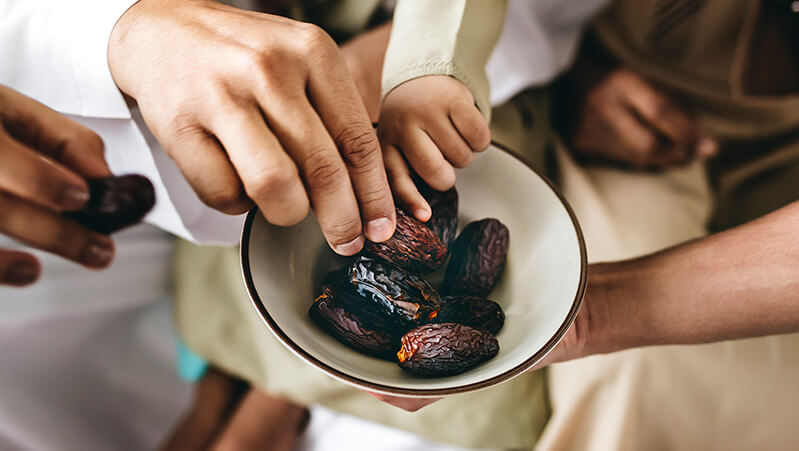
(414,246)
(115,203)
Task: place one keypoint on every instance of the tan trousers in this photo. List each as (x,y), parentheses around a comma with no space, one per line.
(739,395)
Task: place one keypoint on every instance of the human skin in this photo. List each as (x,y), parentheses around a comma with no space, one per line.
(430,138)
(740,283)
(615,115)
(256,108)
(45,159)
(227,413)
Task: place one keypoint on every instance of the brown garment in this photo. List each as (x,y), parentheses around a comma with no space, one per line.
(740,82)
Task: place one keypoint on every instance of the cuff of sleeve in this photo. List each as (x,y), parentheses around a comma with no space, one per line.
(97,92)
(444,67)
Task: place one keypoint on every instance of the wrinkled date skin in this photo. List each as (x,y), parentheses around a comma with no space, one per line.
(444,220)
(414,246)
(350,320)
(471,311)
(400,295)
(116,203)
(478,258)
(436,350)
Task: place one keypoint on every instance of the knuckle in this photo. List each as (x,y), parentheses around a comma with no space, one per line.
(312,37)
(183,124)
(657,107)
(648,145)
(372,199)
(441,177)
(325,173)
(92,141)
(227,198)
(344,232)
(359,146)
(261,183)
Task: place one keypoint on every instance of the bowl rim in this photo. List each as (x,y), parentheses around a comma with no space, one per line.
(424,392)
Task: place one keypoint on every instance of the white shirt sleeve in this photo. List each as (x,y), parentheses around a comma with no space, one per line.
(538,42)
(55,51)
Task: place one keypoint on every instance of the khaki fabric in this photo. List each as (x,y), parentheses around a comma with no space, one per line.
(738,395)
(217,321)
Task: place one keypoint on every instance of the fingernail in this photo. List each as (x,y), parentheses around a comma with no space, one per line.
(706,147)
(379,229)
(74,198)
(422,214)
(22,273)
(351,248)
(99,253)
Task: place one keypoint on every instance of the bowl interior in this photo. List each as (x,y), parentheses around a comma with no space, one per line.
(540,288)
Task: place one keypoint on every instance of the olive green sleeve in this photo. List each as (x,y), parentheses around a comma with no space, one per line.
(444,37)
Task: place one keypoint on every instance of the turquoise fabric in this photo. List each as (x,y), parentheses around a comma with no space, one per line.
(191,367)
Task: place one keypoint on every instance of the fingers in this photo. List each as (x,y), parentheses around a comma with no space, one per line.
(667,118)
(18,268)
(471,125)
(337,102)
(53,134)
(31,176)
(405,192)
(451,144)
(427,160)
(208,171)
(270,178)
(305,138)
(637,142)
(50,232)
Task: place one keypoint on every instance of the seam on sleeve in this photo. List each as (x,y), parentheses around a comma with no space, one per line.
(441,67)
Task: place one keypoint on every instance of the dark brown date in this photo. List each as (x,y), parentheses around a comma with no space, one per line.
(471,311)
(478,258)
(398,294)
(444,220)
(413,246)
(436,350)
(350,320)
(115,203)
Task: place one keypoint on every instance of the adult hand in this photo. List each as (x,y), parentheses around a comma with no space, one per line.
(256,107)
(623,118)
(45,159)
(583,338)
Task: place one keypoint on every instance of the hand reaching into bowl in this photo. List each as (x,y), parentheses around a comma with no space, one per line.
(256,108)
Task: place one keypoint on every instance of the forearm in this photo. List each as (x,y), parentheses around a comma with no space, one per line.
(736,284)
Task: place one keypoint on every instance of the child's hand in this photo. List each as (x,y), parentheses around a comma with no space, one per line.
(434,123)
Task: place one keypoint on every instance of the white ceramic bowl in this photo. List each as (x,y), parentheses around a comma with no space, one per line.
(540,291)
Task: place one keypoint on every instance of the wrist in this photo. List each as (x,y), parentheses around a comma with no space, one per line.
(613,311)
(125,38)
(117,43)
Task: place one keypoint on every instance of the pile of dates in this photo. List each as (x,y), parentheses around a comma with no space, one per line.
(380,304)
